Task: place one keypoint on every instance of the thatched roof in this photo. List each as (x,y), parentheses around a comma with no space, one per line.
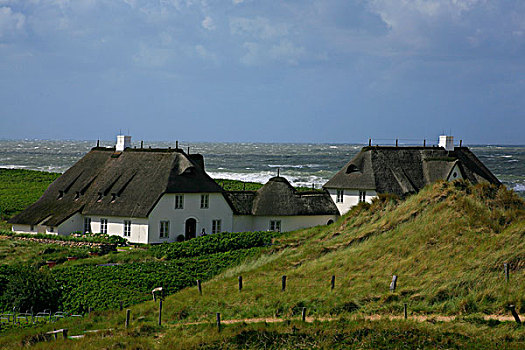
(125,184)
(278,198)
(403,170)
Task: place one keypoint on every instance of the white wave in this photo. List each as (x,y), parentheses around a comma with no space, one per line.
(519,188)
(13,166)
(264,176)
(285,166)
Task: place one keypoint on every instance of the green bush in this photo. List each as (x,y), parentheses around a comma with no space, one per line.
(103,287)
(28,288)
(211,244)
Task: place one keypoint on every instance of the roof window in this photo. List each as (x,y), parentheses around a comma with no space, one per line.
(352,168)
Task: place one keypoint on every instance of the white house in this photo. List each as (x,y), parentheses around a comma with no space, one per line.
(163,195)
(403,170)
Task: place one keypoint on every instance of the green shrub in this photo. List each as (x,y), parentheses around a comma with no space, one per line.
(211,244)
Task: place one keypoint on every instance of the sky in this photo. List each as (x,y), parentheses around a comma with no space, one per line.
(330,71)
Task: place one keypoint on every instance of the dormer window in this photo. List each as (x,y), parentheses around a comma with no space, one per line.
(60,194)
(189,171)
(113,197)
(77,195)
(99,199)
(352,168)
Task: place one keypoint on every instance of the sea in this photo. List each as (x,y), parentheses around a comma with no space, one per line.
(303,164)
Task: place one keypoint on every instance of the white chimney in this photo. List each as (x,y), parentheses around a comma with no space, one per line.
(123,142)
(447,142)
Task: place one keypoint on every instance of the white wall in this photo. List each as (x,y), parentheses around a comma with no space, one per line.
(24,229)
(139,227)
(74,223)
(291,223)
(350,198)
(218,209)
(243,223)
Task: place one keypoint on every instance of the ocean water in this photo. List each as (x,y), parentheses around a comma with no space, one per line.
(302,164)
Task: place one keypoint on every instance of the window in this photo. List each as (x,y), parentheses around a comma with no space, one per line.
(205,199)
(362,196)
(179,201)
(164,229)
(32,228)
(275,225)
(51,229)
(340,194)
(87,225)
(103,225)
(216,226)
(127,228)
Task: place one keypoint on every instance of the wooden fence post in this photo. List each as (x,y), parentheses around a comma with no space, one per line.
(64,333)
(405,311)
(333,282)
(55,334)
(218,321)
(394,283)
(199,286)
(512,309)
(240,283)
(506,268)
(283,283)
(303,315)
(128,316)
(160,311)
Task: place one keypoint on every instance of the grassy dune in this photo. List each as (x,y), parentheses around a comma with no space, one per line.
(447,244)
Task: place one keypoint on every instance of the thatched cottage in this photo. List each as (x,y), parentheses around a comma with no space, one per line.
(402,171)
(164,195)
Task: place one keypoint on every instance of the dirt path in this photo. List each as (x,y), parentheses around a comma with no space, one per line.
(418,318)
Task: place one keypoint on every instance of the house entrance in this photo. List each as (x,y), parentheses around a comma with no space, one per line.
(191,229)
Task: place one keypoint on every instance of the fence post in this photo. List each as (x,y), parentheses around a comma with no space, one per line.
(128,315)
(218,321)
(240,283)
(199,286)
(283,283)
(506,268)
(405,311)
(55,335)
(333,282)
(160,311)
(512,309)
(64,333)
(303,315)
(394,283)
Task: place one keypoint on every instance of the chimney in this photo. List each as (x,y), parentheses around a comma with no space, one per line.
(447,142)
(123,142)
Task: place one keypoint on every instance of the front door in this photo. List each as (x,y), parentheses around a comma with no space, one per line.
(191,228)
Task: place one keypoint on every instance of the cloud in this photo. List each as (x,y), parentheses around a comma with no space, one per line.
(284,51)
(153,57)
(237,2)
(207,23)
(258,27)
(205,54)
(287,52)
(10,22)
